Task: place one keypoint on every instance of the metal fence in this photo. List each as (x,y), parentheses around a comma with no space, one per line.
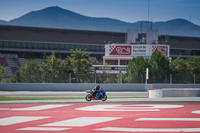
(153,79)
(121,78)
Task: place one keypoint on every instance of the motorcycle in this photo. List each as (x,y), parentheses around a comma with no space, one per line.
(99,96)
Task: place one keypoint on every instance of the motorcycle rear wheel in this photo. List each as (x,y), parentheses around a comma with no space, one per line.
(88,98)
(104,98)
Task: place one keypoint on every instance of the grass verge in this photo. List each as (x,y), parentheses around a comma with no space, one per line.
(3,98)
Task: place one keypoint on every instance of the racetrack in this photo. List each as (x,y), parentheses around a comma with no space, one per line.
(117,97)
(67,94)
(115,115)
(100,117)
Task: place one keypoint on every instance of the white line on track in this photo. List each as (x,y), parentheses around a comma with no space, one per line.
(42,107)
(133,107)
(37,108)
(149,129)
(196,112)
(18,119)
(82,121)
(43,129)
(168,119)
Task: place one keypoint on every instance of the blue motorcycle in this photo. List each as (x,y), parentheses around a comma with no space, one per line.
(99,96)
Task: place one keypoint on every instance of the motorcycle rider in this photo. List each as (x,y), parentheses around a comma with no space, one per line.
(95,90)
(100,93)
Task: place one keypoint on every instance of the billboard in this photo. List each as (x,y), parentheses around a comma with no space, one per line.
(163,49)
(127,50)
(117,50)
(140,50)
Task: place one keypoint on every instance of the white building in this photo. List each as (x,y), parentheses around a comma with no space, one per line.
(117,56)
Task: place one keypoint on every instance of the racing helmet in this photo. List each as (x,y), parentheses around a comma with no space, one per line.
(98,87)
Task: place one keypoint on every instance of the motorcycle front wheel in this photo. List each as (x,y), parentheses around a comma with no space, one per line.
(88,98)
(104,98)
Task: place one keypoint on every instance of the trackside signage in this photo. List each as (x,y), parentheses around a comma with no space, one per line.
(128,50)
(163,49)
(140,50)
(120,50)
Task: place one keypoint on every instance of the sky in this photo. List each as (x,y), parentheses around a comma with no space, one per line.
(125,10)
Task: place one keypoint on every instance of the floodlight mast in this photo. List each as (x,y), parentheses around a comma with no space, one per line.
(148,9)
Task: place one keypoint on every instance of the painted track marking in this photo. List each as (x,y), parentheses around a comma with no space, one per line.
(82,121)
(183,117)
(43,107)
(119,107)
(18,119)
(43,129)
(149,129)
(168,119)
(37,108)
(196,112)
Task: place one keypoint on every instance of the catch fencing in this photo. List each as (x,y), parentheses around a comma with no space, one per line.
(120,79)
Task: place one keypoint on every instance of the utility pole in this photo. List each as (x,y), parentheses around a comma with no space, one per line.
(147,74)
(148,9)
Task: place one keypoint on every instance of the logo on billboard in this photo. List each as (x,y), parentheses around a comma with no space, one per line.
(120,50)
(140,50)
(163,49)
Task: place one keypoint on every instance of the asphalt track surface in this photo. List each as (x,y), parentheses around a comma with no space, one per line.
(116,115)
(100,117)
(67,94)
(113,97)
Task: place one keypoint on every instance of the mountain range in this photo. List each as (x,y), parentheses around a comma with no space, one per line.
(56,17)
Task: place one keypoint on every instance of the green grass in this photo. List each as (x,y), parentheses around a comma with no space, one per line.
(3,98)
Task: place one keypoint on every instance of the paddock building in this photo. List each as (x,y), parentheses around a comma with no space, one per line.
(18,43)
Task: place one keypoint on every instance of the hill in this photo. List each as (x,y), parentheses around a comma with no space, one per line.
(3,22)
(56,17)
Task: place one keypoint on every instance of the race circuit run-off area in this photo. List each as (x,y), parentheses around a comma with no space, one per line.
(99,117)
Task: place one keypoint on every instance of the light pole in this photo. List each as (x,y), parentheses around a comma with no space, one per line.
(147,74)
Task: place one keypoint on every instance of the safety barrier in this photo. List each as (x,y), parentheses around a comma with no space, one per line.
(173,92)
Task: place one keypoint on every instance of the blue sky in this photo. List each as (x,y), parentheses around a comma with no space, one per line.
(125,10)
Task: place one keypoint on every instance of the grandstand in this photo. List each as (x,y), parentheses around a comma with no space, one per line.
(18,43)
(13,64)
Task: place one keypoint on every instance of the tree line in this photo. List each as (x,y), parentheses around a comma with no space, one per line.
(55,70)
(160,69)
(76,68)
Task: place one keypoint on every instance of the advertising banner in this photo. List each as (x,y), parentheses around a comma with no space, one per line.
(140,50)
(127,50)
(163,49)
(120,50)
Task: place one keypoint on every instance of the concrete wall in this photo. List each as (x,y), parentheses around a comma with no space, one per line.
(175,86)
(67,87)
(185,92)
(83,87)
